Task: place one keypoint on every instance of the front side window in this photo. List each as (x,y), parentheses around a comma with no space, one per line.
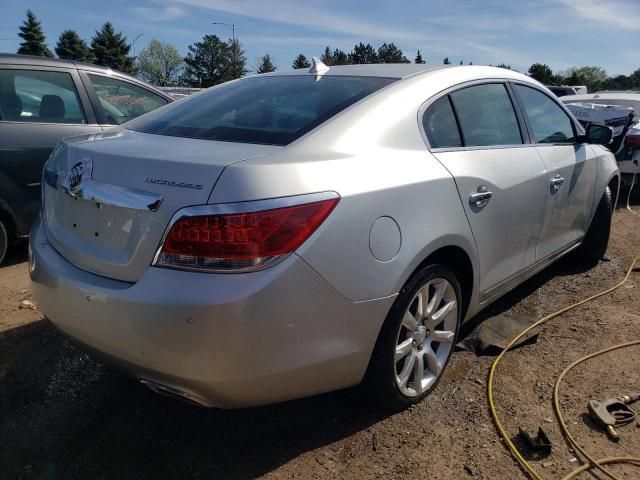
(548,121)
(122,101)
(39,97)
(440,125)
(486,116)
(271,110)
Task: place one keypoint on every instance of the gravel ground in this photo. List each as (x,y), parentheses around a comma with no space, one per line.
(64,415)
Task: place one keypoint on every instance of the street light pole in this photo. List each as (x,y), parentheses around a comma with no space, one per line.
(233,36)
(133,44)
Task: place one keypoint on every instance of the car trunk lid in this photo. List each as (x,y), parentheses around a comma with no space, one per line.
(107,199)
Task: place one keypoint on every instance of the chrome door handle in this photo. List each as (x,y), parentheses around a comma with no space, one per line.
(556,182)
(481,198)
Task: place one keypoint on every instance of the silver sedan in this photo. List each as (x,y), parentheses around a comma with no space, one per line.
(294,233)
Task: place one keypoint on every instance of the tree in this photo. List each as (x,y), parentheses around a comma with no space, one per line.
(207,62)
(635,79)
(419,58)
(389,53)
(541,72)
(620,82)
(266,65)
(237,63)
(337,57)
(301,62)
(362,53)
(159,64)
(33,38)
(111,49)
(504,65)
(446,61)
(592,77)
(71,47)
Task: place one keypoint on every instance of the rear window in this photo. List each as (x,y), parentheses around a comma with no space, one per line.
(267,110)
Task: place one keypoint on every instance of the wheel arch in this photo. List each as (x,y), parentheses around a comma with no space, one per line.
(8,218)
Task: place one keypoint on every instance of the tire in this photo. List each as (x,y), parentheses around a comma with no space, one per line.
(427,340)
(595,242)
(4,241)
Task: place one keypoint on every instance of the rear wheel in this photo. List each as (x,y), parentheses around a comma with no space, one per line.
(4,241)
(595,242)
(417,338)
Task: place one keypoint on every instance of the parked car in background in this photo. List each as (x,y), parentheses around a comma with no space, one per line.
(567,90)
(293,233)
(628,150)
(43,100)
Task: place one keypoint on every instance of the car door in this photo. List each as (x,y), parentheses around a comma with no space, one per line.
(475,132)
(117,100)
(38,107)
(571,170)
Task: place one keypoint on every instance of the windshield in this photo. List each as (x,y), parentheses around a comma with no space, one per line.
(272,110)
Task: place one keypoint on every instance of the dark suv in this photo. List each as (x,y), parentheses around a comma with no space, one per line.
(43,100)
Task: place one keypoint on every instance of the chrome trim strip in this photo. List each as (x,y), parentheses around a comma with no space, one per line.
(105,193)
(239,207)
(526,273)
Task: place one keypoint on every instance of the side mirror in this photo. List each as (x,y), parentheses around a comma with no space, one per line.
(598,135)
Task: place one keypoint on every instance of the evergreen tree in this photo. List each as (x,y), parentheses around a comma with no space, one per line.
(362,53)
(266,65)
(111,49)
(71,47)
(340,57)
(159,64)
(301,62)
(541,72)
(237,61)
(33,38)
(389,53)
(207,62)
(327,56)
(446,61)
(419,58)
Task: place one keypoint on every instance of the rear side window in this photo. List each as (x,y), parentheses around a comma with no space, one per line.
(122,101)
(39,97)
(272,110)
(486,116)
(548,121)
(440,125)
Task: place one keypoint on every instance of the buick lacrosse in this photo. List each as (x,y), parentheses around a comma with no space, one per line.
(294,233)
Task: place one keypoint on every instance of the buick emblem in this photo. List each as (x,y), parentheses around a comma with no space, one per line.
(75,176)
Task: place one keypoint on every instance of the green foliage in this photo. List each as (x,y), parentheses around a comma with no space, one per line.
(33,38)
(389,53)
(111,49)
(362,53)
(213,61)
(159,64)
(266,65)
(337,57)
(71,47)
(634,78)
(301,62)
(621,82)
(592,77)
(541,72)
(419,58)
(504,65)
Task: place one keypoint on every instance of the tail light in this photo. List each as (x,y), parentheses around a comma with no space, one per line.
(243,236)
(633,140)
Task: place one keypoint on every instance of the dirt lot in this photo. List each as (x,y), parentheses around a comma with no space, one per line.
(64,415)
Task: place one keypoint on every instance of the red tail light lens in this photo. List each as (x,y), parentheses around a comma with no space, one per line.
(240,240)
(632,140)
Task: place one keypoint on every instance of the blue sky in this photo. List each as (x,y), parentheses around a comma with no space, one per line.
(561,33)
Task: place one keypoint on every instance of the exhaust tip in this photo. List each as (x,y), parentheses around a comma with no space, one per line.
(174,393)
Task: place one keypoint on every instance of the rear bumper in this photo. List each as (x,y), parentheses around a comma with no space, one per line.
(224,340)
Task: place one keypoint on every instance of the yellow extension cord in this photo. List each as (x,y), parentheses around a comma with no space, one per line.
(514,450)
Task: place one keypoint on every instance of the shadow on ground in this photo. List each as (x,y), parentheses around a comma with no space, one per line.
(66,415)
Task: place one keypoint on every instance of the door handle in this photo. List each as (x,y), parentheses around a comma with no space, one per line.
(481,197)
(556,182)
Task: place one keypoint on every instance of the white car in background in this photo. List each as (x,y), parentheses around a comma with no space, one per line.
(628,155)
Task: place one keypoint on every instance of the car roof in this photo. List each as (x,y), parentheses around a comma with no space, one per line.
(37,61)
(387,70)
(606,96)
